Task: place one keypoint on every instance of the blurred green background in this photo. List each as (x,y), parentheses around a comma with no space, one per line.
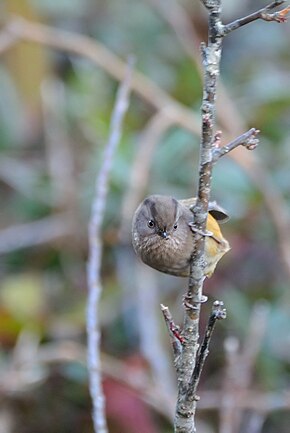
(55,110)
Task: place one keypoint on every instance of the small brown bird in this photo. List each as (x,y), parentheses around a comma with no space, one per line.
(164,239)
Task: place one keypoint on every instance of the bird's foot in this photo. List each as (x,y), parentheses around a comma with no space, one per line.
(200,232)
(189,301)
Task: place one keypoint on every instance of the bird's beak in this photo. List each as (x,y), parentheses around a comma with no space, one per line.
(163,234)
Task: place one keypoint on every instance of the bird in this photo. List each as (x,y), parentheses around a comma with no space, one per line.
(163,234)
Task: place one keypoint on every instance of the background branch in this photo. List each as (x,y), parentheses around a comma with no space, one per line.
(86,123)
(95,253)
(176,113)
(96,52)
(42,231)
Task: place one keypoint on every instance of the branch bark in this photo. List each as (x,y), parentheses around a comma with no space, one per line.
(174,332)
(262,14)
(95,255)
(211,54)
(217,313)
(248,139)
(190,361)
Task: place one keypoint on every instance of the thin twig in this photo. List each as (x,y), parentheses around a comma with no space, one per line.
(95,252)
(262,14)
(254,422)
(260,401)
(34,233)
(218,313)
(175,14)
(248,139)
(278,17)
(240,368)
(23,176)
(58,145)
(150,338)
(174,331)
(229,395)
(97,53)
(7,40)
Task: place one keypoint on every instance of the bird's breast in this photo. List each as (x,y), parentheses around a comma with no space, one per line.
(169,255)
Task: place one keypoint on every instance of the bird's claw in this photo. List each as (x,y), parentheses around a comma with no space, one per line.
(200,232)
(188,301)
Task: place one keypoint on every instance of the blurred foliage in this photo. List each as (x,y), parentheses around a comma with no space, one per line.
(43,288)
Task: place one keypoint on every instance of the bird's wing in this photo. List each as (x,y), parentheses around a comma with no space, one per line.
(218,212)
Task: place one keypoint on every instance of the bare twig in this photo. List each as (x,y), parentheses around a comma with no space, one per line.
(254,422)
(248,139)
(139,382)
(7,40)
(253,342)
(262,14)
(228,419)
(35,233)
(23,176)
(95,250)
(97,53)
(259,401)
(174,331)
(217,313)
(174,13)
(240,368)
(58,146)
(150,337)
(278,17)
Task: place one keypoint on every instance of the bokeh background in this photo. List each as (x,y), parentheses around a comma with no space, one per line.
(57,93)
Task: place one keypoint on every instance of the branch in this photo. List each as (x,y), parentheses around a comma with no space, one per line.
(95,253)
(240,366)
(248,139)
(34,233)
(211,54)
(279,17)
(210,4)
(232,124)
(7,40)
(174,331)
(217,313)
(21,29)
(149,334)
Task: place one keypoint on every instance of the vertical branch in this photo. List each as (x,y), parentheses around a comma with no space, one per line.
(188,366)
(185,409)
(211,55)
(95,253)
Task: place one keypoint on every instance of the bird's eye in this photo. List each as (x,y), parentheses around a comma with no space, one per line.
(175,226)
(151,224)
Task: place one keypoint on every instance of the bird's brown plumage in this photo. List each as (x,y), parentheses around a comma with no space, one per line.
(163,239)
